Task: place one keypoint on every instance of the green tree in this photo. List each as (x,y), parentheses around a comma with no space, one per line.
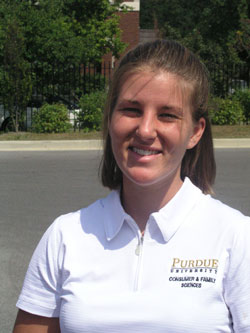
(65,30)
(210,28)
(242,36)
(45,38)
(15,75)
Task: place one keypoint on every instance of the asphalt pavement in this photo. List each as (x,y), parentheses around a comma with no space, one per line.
(37,186)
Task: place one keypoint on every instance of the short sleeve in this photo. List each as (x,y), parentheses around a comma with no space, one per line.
(237,286)
(40,293)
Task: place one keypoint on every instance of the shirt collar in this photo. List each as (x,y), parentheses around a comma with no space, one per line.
(168,219)
(114,214)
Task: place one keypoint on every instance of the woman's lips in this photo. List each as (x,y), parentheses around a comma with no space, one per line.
(144,152)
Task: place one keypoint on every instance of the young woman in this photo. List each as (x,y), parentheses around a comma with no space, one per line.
(158,254)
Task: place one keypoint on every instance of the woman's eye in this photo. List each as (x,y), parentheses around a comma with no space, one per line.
(131,111)
(168,116)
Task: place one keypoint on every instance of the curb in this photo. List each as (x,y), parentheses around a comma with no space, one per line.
(231,143)
(47,145)
(62,145)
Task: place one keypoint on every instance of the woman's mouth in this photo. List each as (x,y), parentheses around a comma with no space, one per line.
(144,152)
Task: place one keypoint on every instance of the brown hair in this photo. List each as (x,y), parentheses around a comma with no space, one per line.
(198,163)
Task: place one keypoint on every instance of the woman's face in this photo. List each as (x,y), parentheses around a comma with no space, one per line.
(151,128)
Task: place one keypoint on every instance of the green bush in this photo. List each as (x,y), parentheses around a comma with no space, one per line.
(226,111)
(243,96)
(51,118)
(91,106)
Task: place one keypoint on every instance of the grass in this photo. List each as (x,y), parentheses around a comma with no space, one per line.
(53,136)
(235,131)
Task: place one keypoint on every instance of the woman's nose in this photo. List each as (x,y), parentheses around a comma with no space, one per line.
(146,129)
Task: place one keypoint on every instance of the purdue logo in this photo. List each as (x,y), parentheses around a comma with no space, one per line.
(193,273)
(195,263)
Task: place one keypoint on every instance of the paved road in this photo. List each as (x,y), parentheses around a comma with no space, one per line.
(233,178)
(36,187)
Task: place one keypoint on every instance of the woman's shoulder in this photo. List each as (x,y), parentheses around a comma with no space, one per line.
(211,209)
(219,207)
(89,215)
(222,215)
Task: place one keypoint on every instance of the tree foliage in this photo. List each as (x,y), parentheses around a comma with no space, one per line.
(216,30)
(65,30)
(43,34)
(15,83)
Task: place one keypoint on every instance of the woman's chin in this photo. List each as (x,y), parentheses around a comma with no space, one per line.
(140,179)
(144,178)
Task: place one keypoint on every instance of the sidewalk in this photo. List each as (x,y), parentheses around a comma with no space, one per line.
(231,143)
(47,145)
(58,145)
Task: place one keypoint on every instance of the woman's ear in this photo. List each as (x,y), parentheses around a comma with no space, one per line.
(198,130)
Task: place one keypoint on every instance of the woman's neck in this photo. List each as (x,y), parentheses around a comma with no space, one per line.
(141,201)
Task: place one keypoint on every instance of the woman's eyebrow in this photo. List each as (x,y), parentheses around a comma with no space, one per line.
(166,107)
(177,109)
(128,101)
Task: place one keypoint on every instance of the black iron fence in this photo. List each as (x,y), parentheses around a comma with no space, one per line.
(55,83)
(58,83)
(66,84)
(227,79)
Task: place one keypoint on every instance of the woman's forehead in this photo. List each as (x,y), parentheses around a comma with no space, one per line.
(146,84)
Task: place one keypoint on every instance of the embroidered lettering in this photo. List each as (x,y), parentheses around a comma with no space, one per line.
(195,263)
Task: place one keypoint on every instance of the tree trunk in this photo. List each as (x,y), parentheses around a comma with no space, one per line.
(16,123)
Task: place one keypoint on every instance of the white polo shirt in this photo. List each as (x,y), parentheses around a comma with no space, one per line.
(190,273)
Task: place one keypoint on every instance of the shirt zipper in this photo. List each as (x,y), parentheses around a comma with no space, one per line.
(138,252)
(139,246)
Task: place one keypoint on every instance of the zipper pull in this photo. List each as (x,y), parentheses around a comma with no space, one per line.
(139,246)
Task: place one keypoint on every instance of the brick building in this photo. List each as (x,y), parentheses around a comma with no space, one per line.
(129,24)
